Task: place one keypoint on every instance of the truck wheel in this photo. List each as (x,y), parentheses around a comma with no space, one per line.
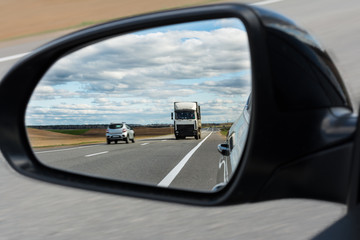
(197,136)
(108,142)
(133,140)
(127,139)
(115,142)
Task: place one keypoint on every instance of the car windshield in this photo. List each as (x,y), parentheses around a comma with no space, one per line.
(184,115)
(115,126)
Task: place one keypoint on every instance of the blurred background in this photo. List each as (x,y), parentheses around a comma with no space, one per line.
(35,210)
(22,18)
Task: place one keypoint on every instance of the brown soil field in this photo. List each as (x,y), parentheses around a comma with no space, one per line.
(44,138)
(27,17)
(146,131)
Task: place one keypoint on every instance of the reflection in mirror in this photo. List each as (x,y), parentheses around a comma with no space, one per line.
(149,107)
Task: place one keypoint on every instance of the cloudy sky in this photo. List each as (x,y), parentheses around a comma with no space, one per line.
(136,78)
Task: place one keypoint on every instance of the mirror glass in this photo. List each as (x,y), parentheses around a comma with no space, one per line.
(167,106)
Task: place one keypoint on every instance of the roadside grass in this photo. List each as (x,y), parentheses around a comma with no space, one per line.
(224,127)
(69,131)
(224,131)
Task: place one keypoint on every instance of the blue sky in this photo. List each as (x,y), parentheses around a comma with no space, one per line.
(135,78)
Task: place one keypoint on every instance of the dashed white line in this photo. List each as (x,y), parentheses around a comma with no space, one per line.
(94,154)
(266,2)
(64,149)
(13,57)
(143,144)
(175,171)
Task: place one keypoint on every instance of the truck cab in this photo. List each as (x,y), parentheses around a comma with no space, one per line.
(187,120)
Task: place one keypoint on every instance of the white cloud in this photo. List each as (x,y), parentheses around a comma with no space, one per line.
(141,74)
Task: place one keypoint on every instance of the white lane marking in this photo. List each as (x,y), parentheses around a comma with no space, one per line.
(94,154)
(266,2)
(163,140)
(9,58)
(143,144)
(175,171)
(65,149)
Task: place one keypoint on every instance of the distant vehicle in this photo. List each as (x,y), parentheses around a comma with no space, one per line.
(233,148)
(187,120)
(119,132)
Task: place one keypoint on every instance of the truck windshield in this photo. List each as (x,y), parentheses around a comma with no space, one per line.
(184,115)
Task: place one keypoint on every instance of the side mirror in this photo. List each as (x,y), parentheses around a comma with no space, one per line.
(172,116)
(300,132)
(224,149)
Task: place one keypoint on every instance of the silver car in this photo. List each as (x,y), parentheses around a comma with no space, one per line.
(119,132)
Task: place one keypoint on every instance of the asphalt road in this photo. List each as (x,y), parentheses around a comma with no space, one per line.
(153,161)
(31,209)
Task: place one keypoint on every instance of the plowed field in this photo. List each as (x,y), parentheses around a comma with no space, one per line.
(44,138)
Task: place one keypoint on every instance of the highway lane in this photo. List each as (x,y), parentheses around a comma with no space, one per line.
(146,161)
(31,209)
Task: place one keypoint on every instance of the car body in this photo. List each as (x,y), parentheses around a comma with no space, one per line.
(232,150)
(119,132)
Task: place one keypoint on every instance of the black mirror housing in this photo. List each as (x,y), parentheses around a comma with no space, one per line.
(299,108)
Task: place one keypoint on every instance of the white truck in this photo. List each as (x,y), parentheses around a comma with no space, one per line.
(187,120)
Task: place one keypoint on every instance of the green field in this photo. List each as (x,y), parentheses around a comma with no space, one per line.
(70,131)
(224,130)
